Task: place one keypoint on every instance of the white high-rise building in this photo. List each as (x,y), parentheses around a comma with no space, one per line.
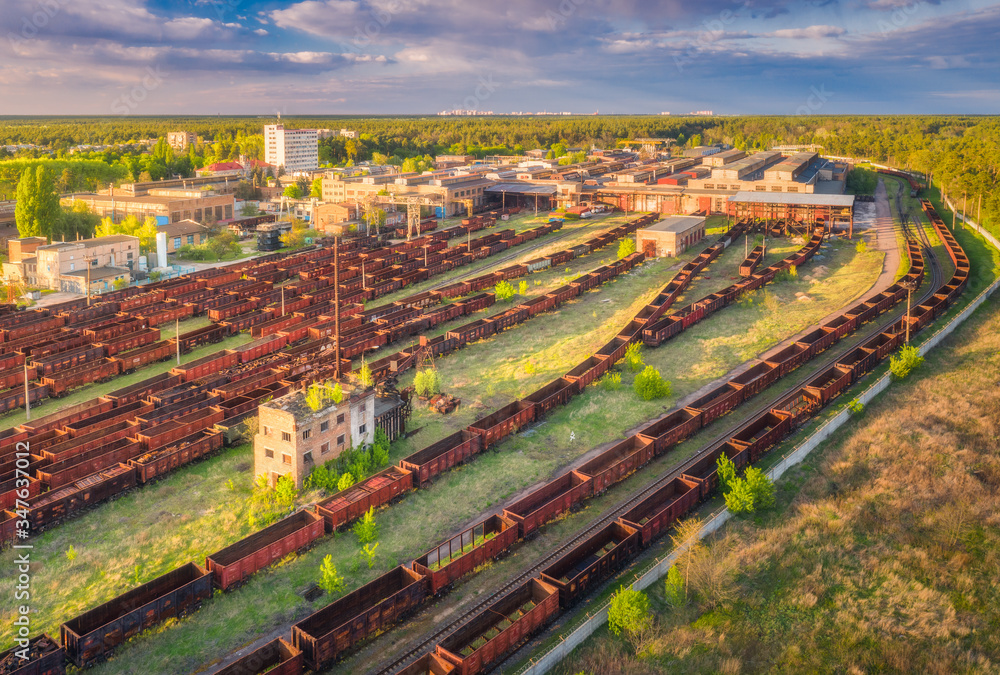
(294,149)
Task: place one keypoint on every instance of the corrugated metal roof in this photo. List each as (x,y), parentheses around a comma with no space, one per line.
(794,198)
(676,224)
(523,188)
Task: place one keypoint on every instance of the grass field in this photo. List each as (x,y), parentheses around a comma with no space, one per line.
(204,514)
(881,555)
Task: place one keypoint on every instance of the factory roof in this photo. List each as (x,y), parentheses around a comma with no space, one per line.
(676,224)
(795,198)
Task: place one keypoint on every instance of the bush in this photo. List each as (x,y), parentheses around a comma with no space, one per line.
(726,471)
(633,357)
(366,529)
(753,492)
(346,481)
(331,582)
(427,382)
(503,291)
(861,246)
(522,288)
(673,588)
(906,361)
(629,612)
(626,247)
(790,273)
(649,384)
(856,407)
(611,382)
(285,491)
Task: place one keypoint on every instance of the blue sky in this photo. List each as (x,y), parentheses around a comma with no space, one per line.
(421,56)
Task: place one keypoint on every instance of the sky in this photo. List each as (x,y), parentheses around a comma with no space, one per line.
(783,57)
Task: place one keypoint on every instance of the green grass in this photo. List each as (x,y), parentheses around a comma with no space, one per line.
(485,375)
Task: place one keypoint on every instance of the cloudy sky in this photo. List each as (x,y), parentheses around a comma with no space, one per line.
(148,57)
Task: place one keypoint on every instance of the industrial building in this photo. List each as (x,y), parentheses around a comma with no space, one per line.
(292,438)
(772,208)
(291,149)
(670,237)
(183,232)
(68,266)
(167,205)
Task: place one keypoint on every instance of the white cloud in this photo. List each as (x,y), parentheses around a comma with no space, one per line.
(807,33)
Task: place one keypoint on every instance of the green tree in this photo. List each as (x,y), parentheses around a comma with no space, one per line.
(522,288)
(903,363)
(503,291)
(366,529)
(330,581)
(77,221)
(368,553)
(37,210)
(147,234)
(380,449)
(726,471)
(629,614)
(285,491)
(365,376)
(649,384)
(673,588)
(71,554)
(316,189)
(346,481)
(753,492)
(626,247)
(633,357)
(293,191)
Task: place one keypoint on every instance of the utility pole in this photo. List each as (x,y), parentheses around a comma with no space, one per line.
(27,398)
(910,286)
(87,261)
(177,338)
(336,304)
(282,301)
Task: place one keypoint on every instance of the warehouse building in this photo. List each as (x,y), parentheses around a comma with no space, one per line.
(670,237)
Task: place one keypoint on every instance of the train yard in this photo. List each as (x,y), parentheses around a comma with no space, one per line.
(536,593)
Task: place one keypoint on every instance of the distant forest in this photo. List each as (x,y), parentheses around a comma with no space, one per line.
(962,152)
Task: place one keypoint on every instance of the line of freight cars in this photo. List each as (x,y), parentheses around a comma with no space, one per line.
(915,185)
(324,635)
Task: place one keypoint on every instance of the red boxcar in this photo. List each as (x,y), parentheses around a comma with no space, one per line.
(506,421)
(440,456)
(591,562)
(655,514)
(350,504)
(549,501)
(464,552)
(496,631)
(617,462)
(239,561)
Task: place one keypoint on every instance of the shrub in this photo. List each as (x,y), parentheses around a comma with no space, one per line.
(753,492)
(366,529)
(907,360)
(726,471)
(856,407)
(673,590)
(503,291)
(611,382)
(346,481)
(790,273)
(71,554)
(285,491)
(365,376)
(633,357)
(629,612)
(861,246)
(649,384)
(368,553)
(626,247)
(522,288)
(331,582)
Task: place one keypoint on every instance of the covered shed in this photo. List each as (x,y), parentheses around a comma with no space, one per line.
(807,208)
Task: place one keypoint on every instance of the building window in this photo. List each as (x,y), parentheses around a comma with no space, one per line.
(340,418)
(324,449)
(267,431)
(361,408)
(324,426)
(286,437)
(177,242)
(340,439)
(307,458)
(269,453)
(190,238)
(286,458)
(306,434)
(361,429)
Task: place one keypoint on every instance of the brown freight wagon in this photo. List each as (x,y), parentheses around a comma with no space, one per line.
(93,635)
(150,465)
(120,326)
(207,365)
(139,338)
(617,462)
(706,469)
(15,376)
(143,356)
(756,379)
(67,415)
(69,446)
(327,633)
(589,371)
(789,358)
(442,455)
(107,418)
(554,394)
(350,504)
(657,513)
(63,342)
(11,399)
(258,348)
(506,421)
(461,554)
(11,491)
(141,300)
(202,336)
(593,561)
(761,433)
(83,464)
(65,360)
(44,657)
(153,416)
(53,506)
(140,390)
(277,657)
(499,629)
(672,429)
(237,562)
(164,434)
(99,371)
(548,501)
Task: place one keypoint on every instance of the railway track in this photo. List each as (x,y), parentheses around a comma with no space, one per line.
(833,355)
